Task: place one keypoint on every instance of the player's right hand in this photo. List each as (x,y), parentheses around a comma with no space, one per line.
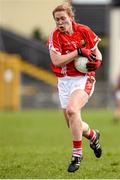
(93,66)
(87,53)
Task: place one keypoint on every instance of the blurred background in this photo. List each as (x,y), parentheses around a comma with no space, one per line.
(26,80)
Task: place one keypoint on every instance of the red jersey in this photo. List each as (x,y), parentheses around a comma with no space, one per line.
(64,43)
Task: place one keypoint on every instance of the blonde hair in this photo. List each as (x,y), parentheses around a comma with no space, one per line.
(64,7)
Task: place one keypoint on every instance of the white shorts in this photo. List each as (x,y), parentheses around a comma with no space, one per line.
(68,84)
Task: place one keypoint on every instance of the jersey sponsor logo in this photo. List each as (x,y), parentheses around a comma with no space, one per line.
(76,43)
(67,43)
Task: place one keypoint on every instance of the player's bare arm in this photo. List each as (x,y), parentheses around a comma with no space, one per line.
(61,60)
(98,54)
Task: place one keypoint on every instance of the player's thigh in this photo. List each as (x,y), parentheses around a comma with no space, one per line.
(78,99)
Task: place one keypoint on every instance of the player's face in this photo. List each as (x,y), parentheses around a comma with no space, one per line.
(63,21)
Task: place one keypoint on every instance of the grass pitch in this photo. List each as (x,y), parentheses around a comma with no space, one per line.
(37,144)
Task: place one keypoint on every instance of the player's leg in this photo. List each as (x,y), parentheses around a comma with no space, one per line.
(66,117)
(76,101)
(92,135)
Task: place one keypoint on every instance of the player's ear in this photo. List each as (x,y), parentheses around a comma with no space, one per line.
(72,19)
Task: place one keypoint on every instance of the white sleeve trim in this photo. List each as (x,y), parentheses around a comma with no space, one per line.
(54,50)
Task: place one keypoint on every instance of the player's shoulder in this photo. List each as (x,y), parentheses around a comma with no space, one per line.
(83,27)
(55,32)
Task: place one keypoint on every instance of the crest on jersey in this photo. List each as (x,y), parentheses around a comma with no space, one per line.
(83,42)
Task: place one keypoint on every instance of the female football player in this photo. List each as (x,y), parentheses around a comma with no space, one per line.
(68,41)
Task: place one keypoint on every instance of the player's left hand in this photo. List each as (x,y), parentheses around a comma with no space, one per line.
(94,65)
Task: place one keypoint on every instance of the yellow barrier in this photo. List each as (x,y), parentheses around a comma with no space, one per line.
(38,73)
(9,82)
(10,68)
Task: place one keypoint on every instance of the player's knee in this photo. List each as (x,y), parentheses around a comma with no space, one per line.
(71,110)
